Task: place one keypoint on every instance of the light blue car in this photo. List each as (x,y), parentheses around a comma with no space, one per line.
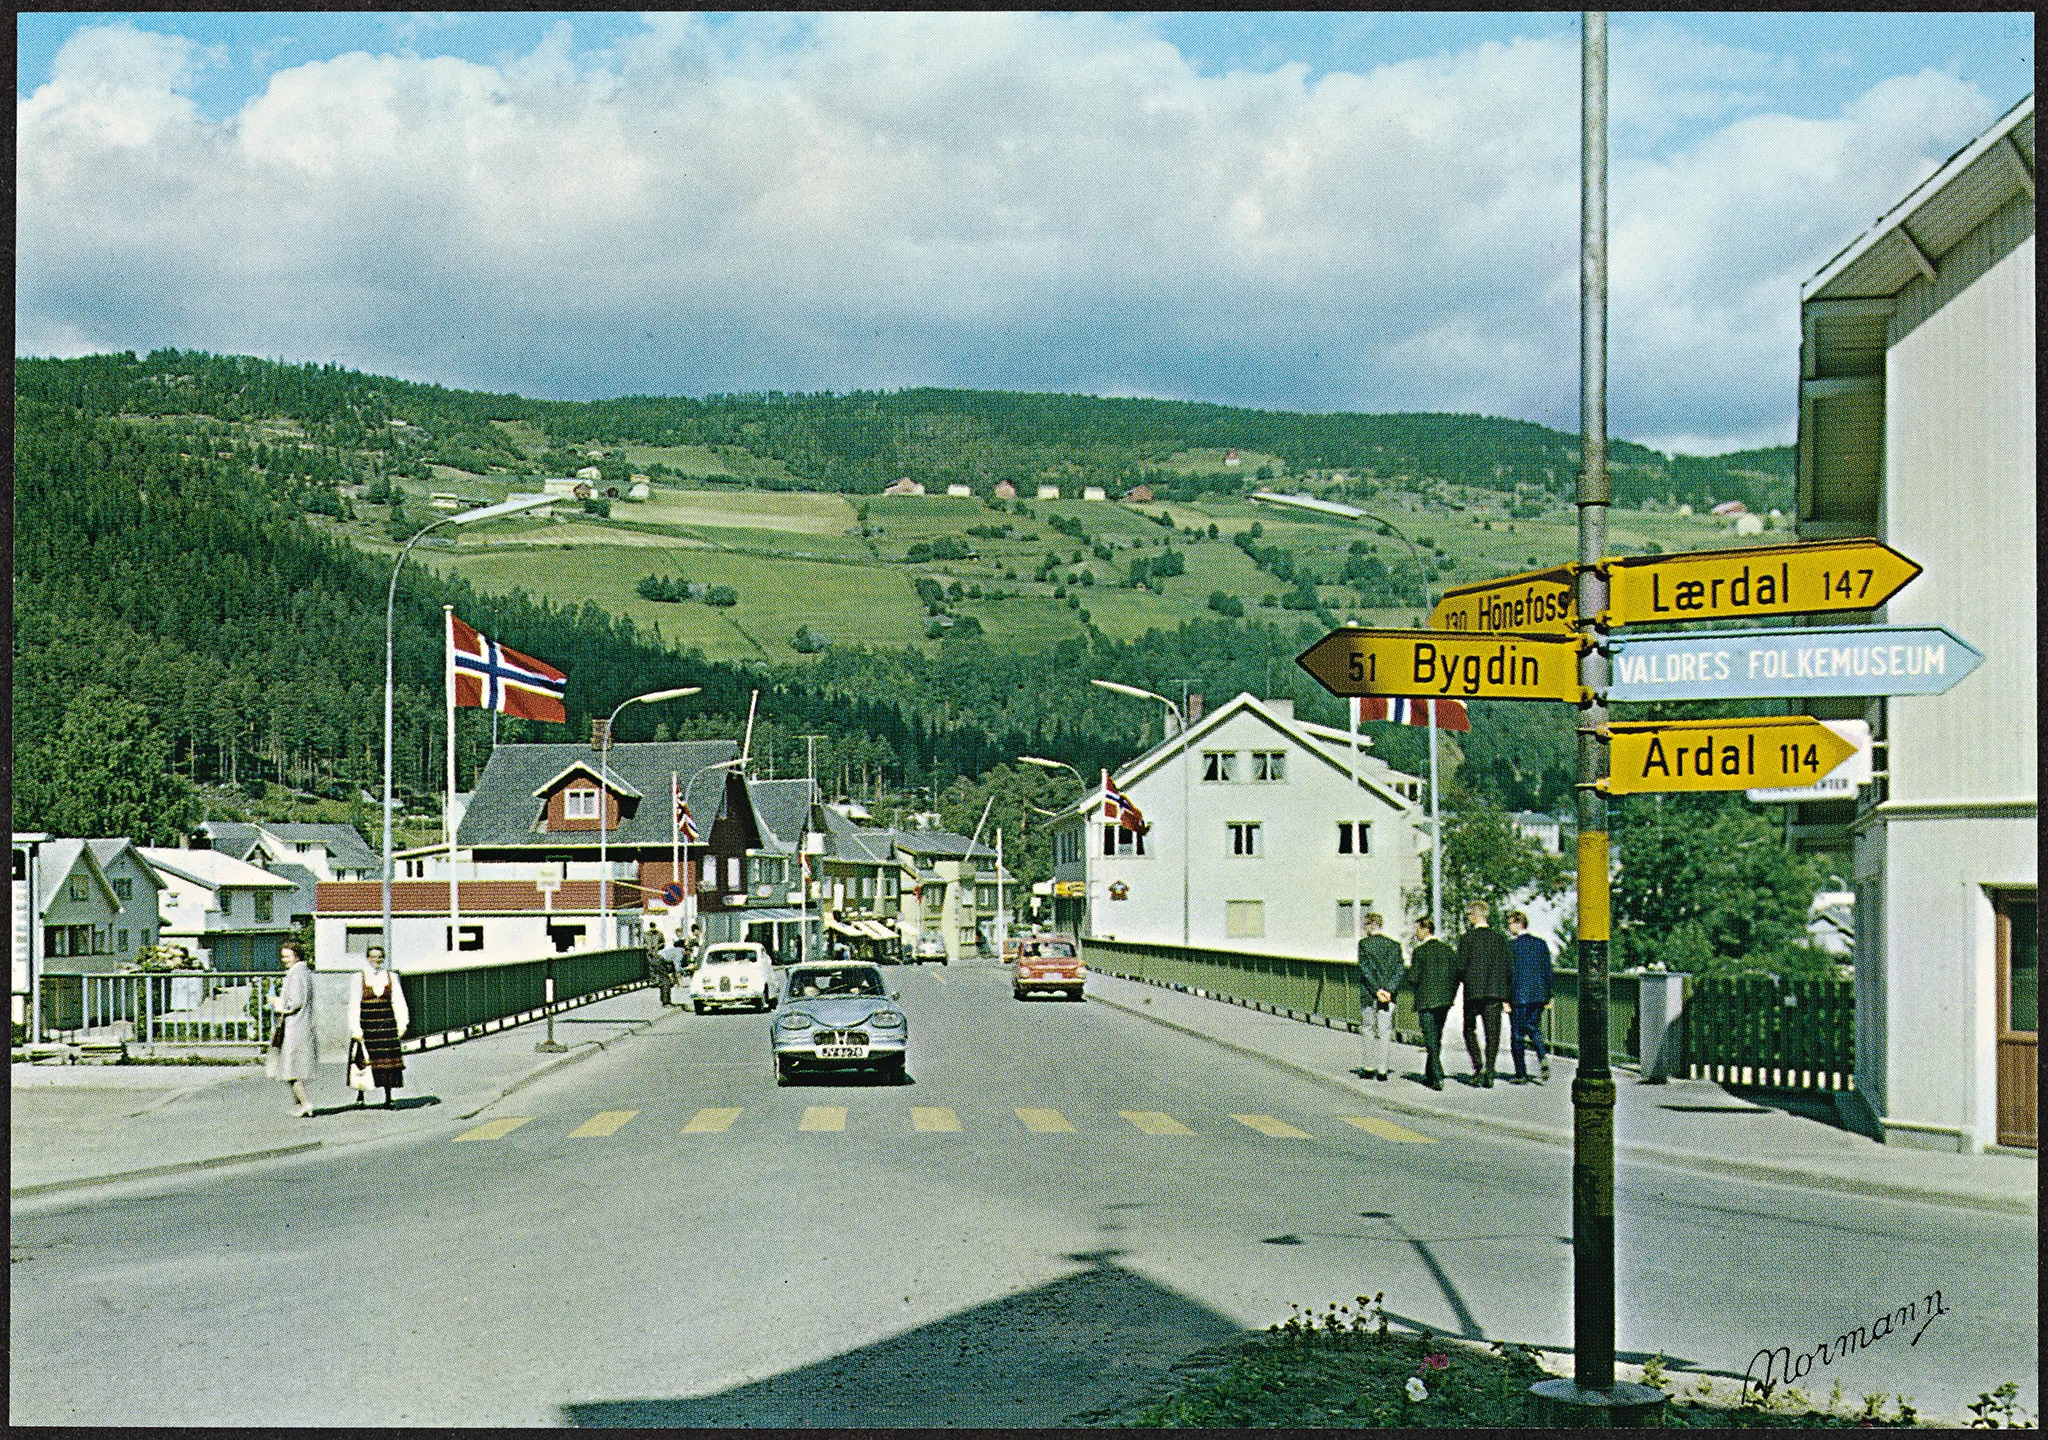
(839,1016)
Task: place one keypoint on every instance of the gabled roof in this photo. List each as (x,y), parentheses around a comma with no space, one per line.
(503,809)
(344,844)
(59,859)
(212,869)
(106,852)
(944,844)
(231,837)
(782,811)
(608,776)
(847,840)
(1371,773)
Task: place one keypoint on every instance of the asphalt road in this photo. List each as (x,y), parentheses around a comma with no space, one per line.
(1062,1201)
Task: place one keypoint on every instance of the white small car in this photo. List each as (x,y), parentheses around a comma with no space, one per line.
(739,973)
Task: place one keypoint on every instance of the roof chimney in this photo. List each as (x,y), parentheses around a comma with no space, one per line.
(1194,707)
(600,735)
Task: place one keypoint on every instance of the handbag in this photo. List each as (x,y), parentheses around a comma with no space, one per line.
(277,1037)
(358,1066)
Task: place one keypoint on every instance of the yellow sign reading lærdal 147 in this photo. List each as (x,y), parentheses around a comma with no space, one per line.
(1774,753)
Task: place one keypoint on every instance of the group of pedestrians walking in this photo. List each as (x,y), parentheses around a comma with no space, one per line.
(1491,970)
(377,1018)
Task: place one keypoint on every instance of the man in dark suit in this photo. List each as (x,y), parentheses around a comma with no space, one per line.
(1434,970)
(1379,976)
(1531,987)
(1487,965)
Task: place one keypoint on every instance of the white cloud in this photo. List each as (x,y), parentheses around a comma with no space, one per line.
(1032,202)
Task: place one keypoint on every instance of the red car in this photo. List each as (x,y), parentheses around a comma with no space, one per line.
(1049,962)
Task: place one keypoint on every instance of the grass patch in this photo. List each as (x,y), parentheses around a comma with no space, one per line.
(1348,1368)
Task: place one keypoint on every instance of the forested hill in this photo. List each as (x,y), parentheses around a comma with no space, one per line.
(860,441)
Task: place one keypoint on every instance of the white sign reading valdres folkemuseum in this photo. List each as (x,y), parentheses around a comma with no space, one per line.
(1760,664)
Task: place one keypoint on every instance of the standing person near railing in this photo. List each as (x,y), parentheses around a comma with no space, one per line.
(1531,992)
(293,1053)
(1487,963)
(1434,966)
(1379,976)
(377,1017)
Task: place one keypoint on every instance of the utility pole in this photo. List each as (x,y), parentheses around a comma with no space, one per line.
(1591,1398)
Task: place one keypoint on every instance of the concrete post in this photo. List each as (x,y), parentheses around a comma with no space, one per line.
(1660,1029)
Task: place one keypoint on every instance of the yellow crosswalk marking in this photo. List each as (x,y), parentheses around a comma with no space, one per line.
(1386,1129)
(933,1117)
(716,1117)
(495,1129)
(1044,1122)
(1268,1125)
(604,1122)
(823,1117)
(1152,1122)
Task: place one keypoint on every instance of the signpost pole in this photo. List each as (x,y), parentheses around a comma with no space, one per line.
(1591,1397)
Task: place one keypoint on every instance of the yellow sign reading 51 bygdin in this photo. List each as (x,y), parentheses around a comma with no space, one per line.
(1354,661)
(1772,753)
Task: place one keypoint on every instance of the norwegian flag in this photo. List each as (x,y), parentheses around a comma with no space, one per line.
(490,676)
(1117,806)
(686,827)
(1450,714)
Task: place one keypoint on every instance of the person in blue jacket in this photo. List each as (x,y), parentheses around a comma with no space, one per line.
(1528,993)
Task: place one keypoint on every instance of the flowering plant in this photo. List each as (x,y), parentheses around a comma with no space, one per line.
(1417,1391)
(1436,1362)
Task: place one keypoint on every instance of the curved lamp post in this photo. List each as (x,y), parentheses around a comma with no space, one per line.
(689,890)
(604,869)
(512,506)
(1436,818)
(1186,840)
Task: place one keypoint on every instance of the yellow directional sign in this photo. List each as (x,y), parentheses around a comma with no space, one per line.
(1351,661)
(1764,580)
(1768,753)
(1537,602)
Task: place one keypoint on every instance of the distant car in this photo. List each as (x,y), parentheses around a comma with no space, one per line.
(1010,945)
(839,1016)
(1049,963)
(931,945)
(733,974)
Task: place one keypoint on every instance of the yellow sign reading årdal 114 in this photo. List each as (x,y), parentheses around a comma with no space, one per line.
(1771,753)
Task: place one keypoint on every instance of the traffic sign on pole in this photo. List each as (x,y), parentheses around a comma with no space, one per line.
(1536,602)
(1431,664)
(1772,753)
(1822,575)
(1760,664)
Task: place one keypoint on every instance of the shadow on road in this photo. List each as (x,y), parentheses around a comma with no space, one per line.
(1035,1359)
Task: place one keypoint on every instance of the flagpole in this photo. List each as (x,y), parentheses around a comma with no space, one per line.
(1436,835)
(448,813)
(1357,839)
(675,839)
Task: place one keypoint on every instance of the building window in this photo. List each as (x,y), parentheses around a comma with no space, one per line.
(121,941)
(888,887)
(1269,764)
(579,805)
(76,889)
(1244,919)
(262,907)
(867,887)
(1354,839)
(415,869)
(472,937)
(1348,927)
(1217,765)
(227,903)
(732,873)
(124,889)
(1245,839)
(707,881)
(1118,841)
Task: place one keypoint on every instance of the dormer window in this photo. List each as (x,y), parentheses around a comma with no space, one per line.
(580,804)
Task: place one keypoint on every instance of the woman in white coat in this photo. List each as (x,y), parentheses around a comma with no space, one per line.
(293,1057)
(377,1017)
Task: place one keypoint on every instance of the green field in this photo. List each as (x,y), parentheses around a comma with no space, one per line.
(794,563)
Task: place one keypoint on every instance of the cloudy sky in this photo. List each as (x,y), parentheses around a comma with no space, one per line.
(1304,211)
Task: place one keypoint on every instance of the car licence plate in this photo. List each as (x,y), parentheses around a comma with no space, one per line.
(842,1052)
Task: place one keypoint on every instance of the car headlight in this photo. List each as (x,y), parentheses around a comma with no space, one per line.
(887,1020)
(793,1022)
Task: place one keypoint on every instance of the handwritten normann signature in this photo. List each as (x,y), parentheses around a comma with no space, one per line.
(1782,1367)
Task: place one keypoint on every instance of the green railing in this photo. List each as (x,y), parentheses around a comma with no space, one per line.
(442,1001)
(1325,991)
(1561,1018)
(1774,1034)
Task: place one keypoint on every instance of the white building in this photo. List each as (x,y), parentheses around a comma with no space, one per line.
(1916,425)
(223,909)
(1266,833)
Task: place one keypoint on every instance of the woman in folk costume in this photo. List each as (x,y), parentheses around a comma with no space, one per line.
(377,1017)
(292,1051)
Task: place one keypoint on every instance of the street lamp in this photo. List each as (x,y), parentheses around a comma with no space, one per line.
(512,506)
(689,890)
(1186,840)
(1436,818)
(604,869)
(1044,764)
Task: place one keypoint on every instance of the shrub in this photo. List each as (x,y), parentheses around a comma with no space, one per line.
(721,595)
